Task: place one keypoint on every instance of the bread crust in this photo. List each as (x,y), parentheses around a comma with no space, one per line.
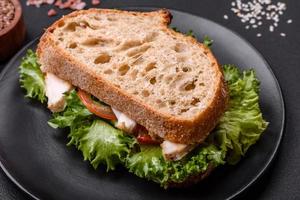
(56,60)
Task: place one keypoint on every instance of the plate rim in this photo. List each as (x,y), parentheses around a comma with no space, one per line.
(3,73)
(234,195)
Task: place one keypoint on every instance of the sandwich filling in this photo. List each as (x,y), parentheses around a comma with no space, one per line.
(108,137)
(55,90)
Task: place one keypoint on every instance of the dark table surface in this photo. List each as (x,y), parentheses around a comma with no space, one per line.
(282,180)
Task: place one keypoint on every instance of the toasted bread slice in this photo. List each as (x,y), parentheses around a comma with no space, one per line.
(162,79)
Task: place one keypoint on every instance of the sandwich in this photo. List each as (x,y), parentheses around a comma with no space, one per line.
(136,93)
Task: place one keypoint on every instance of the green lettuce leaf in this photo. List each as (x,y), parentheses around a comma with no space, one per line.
(31,77)
(191,33)
(242,124)
(74,111)
(150,164)
(101,143)
(207,41)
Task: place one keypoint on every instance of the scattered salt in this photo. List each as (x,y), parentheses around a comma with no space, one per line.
(71,4)
(225,17)
(51,12)
(95,2)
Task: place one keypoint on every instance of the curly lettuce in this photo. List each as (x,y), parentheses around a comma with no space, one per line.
(31,77)
(242,124)
(207,41)
(150,164)
(100,143)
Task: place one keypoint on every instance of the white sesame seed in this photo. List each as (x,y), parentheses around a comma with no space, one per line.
(282,34)
(252,21)
(235,10)
(225,17)
(239,4)
(255,13)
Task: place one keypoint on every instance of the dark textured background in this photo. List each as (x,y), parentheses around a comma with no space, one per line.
(282,180)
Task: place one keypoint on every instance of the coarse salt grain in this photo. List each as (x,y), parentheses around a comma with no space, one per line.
(78,6)
(289,21)
(52,12)
(95,2)
(258,35)
(225,17)
(61,4)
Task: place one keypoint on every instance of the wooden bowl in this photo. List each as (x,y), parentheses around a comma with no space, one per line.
(12,36)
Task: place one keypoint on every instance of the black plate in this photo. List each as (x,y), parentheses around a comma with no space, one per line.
(36,158)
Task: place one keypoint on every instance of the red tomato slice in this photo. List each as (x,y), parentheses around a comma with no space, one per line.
(102,111)
(146,139)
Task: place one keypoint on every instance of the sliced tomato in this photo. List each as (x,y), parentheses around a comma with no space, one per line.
(100,110)
(146,139)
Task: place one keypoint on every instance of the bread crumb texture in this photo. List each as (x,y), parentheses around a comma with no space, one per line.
(138,55)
